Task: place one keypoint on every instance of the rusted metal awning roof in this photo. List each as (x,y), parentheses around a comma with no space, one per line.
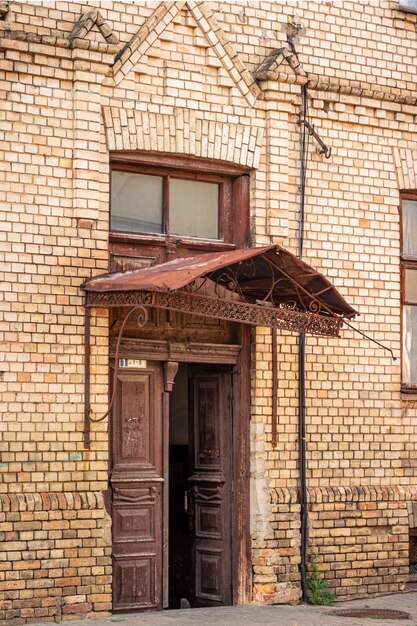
(269,278)
(268,268)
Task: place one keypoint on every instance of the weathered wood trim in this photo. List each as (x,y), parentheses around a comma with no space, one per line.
(241,543)
(157,350)
(178,162)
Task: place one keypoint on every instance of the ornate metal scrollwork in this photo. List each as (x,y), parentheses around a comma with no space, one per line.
(143,317)
(280,317)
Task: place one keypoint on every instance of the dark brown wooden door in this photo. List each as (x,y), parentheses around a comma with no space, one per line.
(137,489)
(210,485)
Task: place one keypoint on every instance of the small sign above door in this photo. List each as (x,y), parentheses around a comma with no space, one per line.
(138,363)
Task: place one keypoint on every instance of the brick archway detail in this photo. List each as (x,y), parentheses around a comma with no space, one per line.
(185,132)
(405,161)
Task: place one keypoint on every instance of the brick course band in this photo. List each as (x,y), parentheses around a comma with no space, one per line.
(346,494)
(315,82)
(57,42)
(51,501)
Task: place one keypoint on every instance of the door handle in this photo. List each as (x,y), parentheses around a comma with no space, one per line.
(187,502)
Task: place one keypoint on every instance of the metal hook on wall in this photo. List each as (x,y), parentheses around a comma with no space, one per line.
(324,149)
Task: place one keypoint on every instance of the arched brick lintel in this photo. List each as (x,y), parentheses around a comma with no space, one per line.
(185,132)
(405,161)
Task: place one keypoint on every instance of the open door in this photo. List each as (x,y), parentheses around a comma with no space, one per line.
(209,483)
(201,459)
(137,488)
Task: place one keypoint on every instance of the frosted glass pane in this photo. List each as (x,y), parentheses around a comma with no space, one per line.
(409,364)
(411,286)
(409,218)
(136,203)
(194,208)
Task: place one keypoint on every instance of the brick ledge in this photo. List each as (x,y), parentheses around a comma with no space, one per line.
(346,494)
(51,501)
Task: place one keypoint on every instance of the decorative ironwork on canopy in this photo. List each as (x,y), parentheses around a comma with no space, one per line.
(258,286)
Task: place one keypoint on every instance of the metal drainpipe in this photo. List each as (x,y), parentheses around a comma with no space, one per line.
(303,482)
(301,373)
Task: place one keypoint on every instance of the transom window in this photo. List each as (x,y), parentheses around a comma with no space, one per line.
(409,291)
(150,202)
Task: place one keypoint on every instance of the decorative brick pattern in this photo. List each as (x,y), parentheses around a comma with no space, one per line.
(406,167)
(184,132)
(225,51)
(156,24)
(87,22)
(412,514)
(143,40)
(319,495)
(268,68)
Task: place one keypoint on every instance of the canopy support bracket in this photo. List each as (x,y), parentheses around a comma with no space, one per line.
(87,374)
(274,436)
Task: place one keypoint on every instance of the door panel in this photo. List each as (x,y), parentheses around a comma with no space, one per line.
(136,482)
(208,522)
(134,514)
(134,446)
(207,430)
(134,578)
(210,484)
(209,574)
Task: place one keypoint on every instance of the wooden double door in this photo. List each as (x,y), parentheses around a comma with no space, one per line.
(139,485)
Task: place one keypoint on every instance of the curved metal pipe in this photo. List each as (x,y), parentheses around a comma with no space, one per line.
(141,321)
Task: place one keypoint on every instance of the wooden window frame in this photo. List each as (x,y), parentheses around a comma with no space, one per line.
(405,263)
(233,198)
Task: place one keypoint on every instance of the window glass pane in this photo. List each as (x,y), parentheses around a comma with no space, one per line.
(409,365)
(410,284)
(194,208)
(136,203)
(409,220)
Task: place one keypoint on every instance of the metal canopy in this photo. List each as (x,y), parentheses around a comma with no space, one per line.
(260,286)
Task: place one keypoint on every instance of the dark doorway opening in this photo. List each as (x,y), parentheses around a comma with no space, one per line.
(200,486)
(180,538)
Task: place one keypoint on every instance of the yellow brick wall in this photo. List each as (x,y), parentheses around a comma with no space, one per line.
(55,552)
(63,109)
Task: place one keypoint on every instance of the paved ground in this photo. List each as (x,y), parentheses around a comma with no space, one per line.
(281,615)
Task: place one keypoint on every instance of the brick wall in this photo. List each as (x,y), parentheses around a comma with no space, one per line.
(363,535)
(55,556)
(360,535)
(184,85)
